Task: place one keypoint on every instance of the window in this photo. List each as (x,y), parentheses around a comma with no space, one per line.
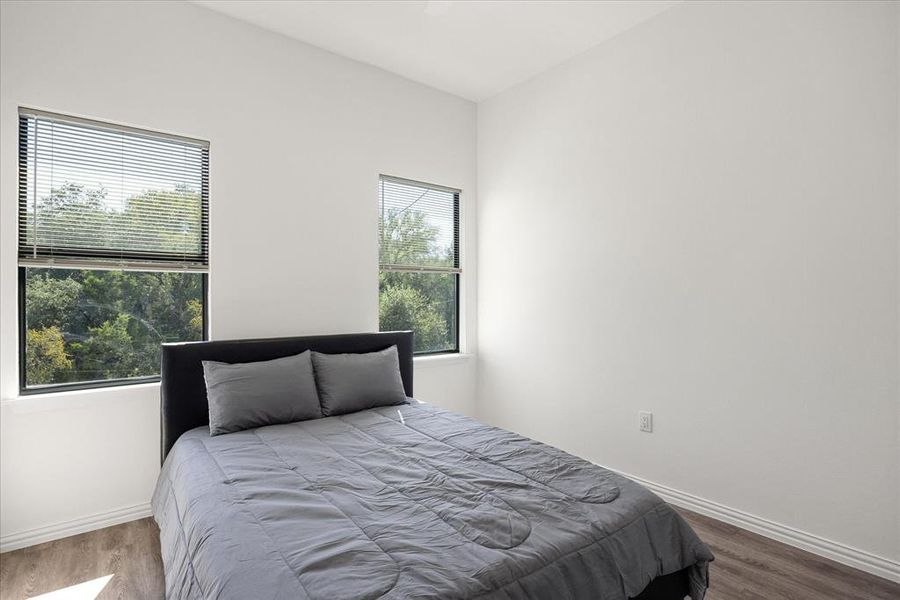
(113,260)
(418,230)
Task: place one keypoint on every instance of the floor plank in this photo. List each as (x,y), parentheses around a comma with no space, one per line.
(751,566)
(747,566)
(129,552)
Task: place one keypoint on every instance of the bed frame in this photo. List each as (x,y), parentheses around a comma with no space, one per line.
(183,404)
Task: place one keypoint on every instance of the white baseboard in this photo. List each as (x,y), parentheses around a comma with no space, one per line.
(39,535)
(836,551)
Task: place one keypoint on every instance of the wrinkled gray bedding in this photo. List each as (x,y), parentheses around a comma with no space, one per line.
(428,505)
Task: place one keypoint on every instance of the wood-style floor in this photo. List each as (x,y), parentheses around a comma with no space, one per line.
(747,566)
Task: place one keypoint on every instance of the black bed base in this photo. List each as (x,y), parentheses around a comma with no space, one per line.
(673,586)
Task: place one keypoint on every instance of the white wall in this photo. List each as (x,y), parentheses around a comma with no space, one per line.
(700,218)
(298,137)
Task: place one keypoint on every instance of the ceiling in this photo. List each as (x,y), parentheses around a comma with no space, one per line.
(473,49)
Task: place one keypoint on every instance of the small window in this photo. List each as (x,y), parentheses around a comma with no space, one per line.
(113,260)
(419,275)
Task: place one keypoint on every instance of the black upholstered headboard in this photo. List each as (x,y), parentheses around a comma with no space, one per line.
(183,391)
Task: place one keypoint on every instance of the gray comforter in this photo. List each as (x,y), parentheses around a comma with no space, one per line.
(407,502)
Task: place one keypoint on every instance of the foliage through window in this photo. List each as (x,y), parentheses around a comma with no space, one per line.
(419,263)
(113,230)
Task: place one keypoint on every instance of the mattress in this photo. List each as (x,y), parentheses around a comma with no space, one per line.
(408,501)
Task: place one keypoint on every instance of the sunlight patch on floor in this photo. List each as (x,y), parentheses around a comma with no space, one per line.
(87,590)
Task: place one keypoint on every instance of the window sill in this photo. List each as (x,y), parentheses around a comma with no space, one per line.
(441,360)
(69,399)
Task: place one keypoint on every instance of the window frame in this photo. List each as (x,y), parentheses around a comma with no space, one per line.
(146,268)
(95,383)
(457,271)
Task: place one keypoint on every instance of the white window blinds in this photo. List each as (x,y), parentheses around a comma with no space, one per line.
(99,195)
(418,226)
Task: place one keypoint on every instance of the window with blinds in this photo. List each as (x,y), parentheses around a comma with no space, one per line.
(113,249)
(92,194)
(418,230)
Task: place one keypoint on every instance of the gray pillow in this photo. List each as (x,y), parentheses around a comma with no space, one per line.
(245,395)
(352,382)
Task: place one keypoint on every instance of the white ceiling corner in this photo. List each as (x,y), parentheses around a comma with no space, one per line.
(473,49)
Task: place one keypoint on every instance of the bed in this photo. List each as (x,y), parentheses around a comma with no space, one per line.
(406,501)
